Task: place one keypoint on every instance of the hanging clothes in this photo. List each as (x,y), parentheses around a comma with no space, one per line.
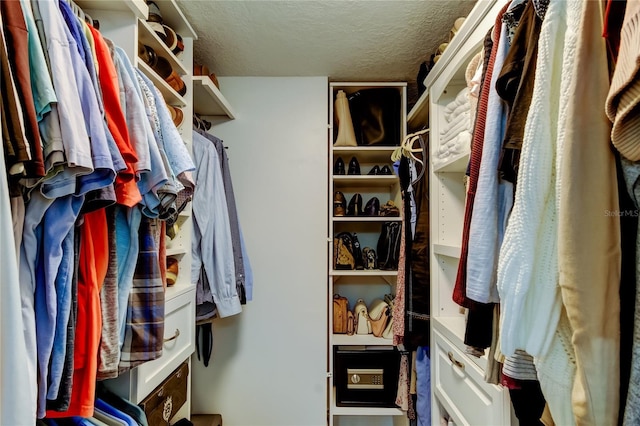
(212,244)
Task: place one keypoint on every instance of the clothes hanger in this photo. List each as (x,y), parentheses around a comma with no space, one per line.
(406,147)
(407,150)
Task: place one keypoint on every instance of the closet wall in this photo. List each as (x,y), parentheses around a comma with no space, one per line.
(269,364)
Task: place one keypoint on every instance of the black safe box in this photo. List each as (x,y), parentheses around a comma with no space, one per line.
(366,377)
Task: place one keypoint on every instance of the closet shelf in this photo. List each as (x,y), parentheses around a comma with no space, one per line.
(365,180)
(170,96)
(366,219)
(138,7)
(447,250)
(362,411)
(380,155)
(176,251)
(147,36)
(360,340)
(363,273)
(176,290)
(208,100)
(173,17)
(454,164)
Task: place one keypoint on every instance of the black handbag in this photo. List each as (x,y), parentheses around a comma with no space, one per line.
(376,116)
(389,246)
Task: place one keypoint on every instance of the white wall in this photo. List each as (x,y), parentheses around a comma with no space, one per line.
(269,363)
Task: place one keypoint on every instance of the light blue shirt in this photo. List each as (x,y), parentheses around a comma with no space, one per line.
(212,247)
(75,138)
(141,134)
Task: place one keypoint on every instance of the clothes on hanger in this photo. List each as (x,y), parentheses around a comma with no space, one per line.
(93,162)
(551,135)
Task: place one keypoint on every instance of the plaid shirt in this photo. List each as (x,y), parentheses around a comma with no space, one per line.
(144,331)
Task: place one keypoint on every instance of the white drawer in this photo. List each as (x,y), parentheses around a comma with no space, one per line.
(459,385)
(179,335)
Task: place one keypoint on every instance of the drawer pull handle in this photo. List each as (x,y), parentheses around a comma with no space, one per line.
(174,337)
(455,361)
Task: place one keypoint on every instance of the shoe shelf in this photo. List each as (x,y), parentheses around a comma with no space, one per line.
(147,36)
(366,180)
(363,273)
(367,219)
(170,96)
(173,17)
(373,153)
(208,100)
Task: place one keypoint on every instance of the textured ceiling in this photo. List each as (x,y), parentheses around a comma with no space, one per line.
(365,40)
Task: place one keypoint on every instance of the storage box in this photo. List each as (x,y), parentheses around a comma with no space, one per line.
(165,400)
(366,377)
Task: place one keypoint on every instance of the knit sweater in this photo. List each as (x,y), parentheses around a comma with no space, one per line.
(624,94)
(528,263)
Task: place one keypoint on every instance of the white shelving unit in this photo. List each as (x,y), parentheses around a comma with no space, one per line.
(459,391)
(365,284)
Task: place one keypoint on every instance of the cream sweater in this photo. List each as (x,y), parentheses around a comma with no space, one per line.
(528,262)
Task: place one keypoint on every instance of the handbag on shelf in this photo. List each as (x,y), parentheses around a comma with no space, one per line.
(340,314)
(344,251)
(376,114)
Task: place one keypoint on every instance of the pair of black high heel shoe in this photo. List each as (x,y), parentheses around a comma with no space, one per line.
(340,208)
(377,170)
(354,168)
(339,167)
